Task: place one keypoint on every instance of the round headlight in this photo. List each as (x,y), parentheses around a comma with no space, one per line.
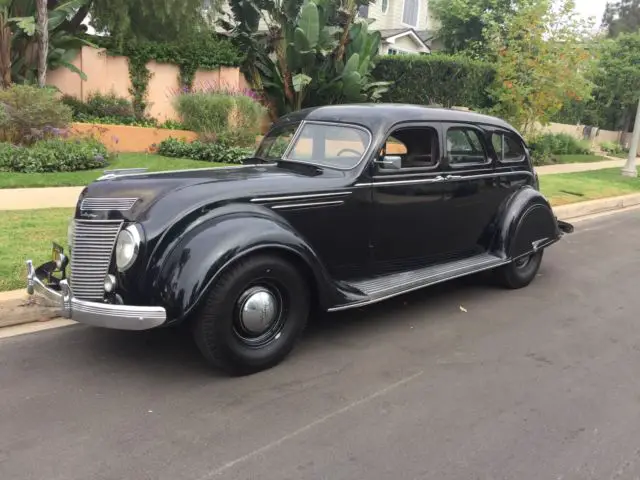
(127,247)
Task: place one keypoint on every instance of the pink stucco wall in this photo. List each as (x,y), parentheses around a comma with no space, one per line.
(106,73)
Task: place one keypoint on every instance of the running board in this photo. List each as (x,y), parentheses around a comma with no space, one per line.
(382,288)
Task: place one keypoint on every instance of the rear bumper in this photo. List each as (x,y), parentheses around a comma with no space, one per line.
(106,315)
(565,227)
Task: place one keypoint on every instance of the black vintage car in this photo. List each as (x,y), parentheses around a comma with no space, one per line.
(341,207)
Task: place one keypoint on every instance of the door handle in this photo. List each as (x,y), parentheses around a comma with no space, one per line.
(453,177)
(439,178)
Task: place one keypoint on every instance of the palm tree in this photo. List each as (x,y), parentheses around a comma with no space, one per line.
(43,41)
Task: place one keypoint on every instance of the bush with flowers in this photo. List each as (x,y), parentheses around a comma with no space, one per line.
(34,137)
(220,113)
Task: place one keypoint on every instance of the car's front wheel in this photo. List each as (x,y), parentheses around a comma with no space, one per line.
(520,272)
(253,315)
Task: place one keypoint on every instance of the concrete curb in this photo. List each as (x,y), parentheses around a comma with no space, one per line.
(16,308)
(591,207)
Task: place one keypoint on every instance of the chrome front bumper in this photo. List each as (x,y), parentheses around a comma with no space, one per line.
(120,317)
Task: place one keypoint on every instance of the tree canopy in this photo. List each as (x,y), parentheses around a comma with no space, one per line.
(541,60)
(622,16)
(463,23)
(158,20)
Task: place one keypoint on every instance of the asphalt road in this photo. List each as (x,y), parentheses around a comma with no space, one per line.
(540,383)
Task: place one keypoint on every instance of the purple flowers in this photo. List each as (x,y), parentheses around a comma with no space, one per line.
(99,158)
(223,88)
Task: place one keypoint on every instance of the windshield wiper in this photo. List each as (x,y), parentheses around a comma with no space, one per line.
(254,161)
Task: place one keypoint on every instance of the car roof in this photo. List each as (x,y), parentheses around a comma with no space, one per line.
(379,117)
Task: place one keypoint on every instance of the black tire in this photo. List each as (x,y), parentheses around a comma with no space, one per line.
(219,330)
(519,273)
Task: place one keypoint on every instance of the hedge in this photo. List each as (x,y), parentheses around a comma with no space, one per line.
(439,79)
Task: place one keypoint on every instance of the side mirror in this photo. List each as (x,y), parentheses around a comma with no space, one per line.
(390,162)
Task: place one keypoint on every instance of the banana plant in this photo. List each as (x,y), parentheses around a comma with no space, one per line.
(313,52)
(18,39)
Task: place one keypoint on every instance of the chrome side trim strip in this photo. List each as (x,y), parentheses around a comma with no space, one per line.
(436,179)
(417,287)
(303,205)
(230,167)
(300,197)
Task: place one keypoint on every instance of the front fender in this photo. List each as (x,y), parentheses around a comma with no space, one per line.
(192,264)
(526,222)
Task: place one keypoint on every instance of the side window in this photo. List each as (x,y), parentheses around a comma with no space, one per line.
(464,147)
(496,140)
(418,147)
(513,149)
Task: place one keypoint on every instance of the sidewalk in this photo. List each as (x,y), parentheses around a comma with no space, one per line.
(580,167)
(66,197)
(31,198)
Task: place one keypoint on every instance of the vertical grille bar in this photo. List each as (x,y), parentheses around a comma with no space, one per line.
(91,252)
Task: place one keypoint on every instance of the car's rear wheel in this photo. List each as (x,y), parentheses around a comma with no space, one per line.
(253,315)
(520,272)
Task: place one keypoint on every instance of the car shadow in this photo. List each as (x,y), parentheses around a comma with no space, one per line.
(171,352)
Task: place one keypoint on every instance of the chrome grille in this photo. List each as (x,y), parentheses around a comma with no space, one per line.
(118,204)
(91,251)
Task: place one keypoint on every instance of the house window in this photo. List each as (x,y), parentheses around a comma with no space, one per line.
(384,6)
(363,11)
(410,12)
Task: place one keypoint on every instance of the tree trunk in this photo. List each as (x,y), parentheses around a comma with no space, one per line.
(43,41)
(5,55)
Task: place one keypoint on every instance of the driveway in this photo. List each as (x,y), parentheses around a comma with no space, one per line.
(462,381)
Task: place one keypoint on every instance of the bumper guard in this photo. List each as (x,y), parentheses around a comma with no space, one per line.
(106,315)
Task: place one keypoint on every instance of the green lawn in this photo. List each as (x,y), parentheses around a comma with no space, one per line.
(153,162)
(27,234)
(566,188)
(578,158)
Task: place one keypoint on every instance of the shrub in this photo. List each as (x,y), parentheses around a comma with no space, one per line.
(207,151)
(613,148)
(28,111)
(53,155)
(559,144)
(106,109)
(229,118)
(447,80)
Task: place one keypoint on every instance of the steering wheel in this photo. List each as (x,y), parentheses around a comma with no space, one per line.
(357,154)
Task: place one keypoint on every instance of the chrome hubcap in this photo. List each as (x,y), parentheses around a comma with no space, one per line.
(258,310)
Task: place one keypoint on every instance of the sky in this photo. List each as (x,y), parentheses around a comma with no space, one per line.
(589,8)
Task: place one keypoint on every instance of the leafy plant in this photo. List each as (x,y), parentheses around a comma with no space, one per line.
(29,111)
(207,151)
(53,155)
(613,148)
(19,43)
(315,52)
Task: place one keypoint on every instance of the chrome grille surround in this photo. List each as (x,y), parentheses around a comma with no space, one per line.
(91,253)
(104,204)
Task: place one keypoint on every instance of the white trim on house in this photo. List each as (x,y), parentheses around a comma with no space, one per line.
(422,46)
(404,2)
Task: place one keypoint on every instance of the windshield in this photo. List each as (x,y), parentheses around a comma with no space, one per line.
(327,145)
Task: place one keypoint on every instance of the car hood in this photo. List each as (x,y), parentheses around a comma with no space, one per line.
(169,193)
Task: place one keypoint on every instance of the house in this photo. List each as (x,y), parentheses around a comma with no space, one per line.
(403,24)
